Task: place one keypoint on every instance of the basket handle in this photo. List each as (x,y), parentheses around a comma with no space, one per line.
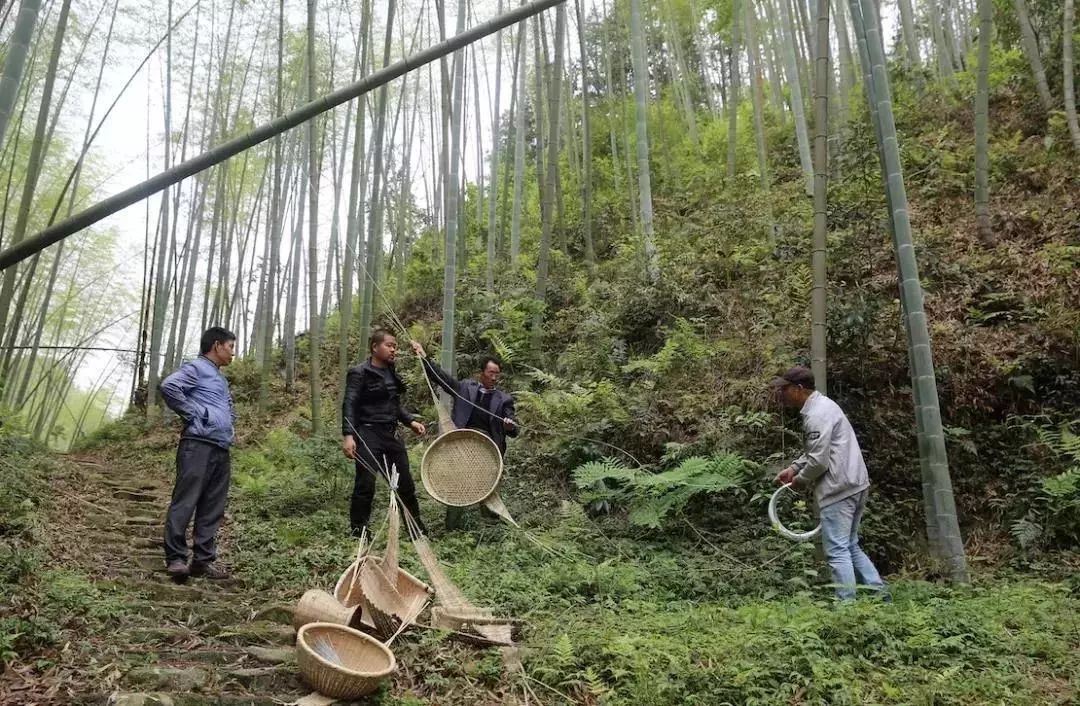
(445,423)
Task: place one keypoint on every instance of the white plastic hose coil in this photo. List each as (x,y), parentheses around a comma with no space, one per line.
(779,527)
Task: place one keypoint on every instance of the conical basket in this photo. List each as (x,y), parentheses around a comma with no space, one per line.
(318,606)
(461,467)
(341,662)
(389,601)
(346,590)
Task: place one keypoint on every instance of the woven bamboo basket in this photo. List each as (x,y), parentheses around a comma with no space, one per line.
(346,590)
(341,662)
(461,467)
(318,606)
(389,601)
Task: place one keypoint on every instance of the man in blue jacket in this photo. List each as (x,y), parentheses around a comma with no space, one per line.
(199,394)
(478,404)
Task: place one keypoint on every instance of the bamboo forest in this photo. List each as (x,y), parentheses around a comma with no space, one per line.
(539,352)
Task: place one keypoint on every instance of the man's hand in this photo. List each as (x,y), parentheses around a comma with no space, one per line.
(348,447)
(785,476)
(418,427)
(419,349)
(508,423)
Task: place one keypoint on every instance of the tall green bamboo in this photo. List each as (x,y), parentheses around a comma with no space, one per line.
(313,227)
(949,546)
(818,261)
(453,205)
(18,46)
(733,94)
(641,120)
(552,169)
(1067,73)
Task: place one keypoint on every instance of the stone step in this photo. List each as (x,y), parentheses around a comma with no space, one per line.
(280,677)
(168,678)
(190,699)
(159,586)
(213,612)
(148,496)
(166,635)
(272,655)
(223,657)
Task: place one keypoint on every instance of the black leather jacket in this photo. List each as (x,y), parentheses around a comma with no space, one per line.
(369,400)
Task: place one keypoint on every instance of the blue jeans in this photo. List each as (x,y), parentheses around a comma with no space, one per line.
(840,540)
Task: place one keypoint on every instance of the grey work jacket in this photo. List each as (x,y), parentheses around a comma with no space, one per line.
(832,461)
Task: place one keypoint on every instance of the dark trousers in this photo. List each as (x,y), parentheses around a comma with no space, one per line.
(202,490)
(379,451)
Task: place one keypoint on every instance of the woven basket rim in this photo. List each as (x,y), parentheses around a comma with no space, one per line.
(301,643)
(435,443)
(376,558)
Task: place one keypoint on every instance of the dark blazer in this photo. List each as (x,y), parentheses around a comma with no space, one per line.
(502,404)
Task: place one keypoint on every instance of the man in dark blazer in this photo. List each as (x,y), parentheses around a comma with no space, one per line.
(472,396)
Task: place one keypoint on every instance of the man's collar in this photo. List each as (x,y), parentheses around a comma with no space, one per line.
(368,365)
(207,359)
(809,401)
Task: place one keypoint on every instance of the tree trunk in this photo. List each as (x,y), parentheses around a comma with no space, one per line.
(313,231)
(949,546)
(641,79)
(519,143)
(788,33)
(586,141)
(451,250)
(733,102)
(18,45)
(1067,72)
(375,231)
(818,312)
(551,171)
(982,124)
(907,24)
(33,172)
(495,140)
(757,99)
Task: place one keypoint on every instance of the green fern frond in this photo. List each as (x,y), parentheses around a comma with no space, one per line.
(588,474)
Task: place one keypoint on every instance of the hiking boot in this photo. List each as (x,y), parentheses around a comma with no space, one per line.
(208,570)
(177,568)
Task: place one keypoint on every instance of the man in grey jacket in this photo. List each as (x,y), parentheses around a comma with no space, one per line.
(199,394)
(832,464)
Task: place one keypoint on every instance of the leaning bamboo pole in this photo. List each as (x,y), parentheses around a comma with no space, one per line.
(54,234)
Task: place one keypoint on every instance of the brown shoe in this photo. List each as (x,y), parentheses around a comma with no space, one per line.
(208,570)
(177,568)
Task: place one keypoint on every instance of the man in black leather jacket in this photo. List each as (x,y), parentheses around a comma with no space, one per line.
(370,412)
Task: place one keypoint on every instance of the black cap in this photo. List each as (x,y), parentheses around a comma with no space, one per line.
(799,375)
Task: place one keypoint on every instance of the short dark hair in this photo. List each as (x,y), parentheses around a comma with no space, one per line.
(490,359)
(377,336)
(212,336)
(799,375)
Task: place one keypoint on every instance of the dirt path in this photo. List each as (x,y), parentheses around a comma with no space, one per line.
(199,643)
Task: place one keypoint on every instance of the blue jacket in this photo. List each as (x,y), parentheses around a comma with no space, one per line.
(199,394)
(502,404)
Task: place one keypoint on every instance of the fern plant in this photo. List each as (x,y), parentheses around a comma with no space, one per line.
(1054,516)
(651,498)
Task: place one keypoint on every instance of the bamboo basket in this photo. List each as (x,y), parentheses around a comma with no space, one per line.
(390,601)
(341,662)
(346,590)
(461,467)
(318,606)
